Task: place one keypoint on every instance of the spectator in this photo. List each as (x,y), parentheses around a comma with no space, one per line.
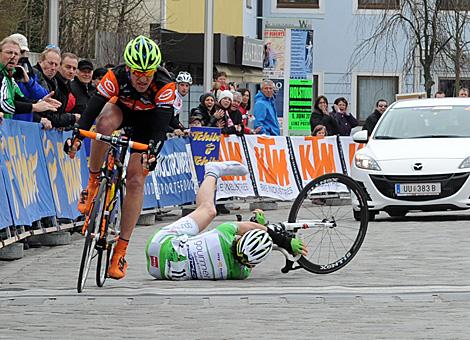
(232,86)
(320,116)
(67,70)
(221,78)
(81,86)
(440,94)
(206,108)
(12,100)
(220,117)
(265,110)
(235,116)
(319,130)
(32,89)
(248,118)
(345,120)
(98,74)
(48,64)
(463,92)
(183,83)
(195,120)
(374,117)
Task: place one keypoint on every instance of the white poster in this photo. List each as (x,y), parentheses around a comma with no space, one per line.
(272,168)
(229,186)
(316,156)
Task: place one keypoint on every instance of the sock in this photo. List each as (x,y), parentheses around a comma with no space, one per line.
(121,246)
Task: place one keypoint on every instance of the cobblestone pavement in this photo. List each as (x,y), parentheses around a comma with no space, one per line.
(410,280)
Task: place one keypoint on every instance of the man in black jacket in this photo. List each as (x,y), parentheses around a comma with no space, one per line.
(81,86)
(374,117)
(67,69)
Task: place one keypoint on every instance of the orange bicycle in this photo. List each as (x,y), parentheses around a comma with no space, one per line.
(102,224)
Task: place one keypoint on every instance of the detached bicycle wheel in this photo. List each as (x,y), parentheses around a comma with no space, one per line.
(331,202)
(91,236)
(113,229)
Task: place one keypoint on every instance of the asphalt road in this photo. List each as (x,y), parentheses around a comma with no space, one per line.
(410,280)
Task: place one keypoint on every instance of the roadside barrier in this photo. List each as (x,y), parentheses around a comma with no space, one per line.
(38,180)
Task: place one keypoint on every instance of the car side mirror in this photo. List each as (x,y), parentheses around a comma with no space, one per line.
(361,136)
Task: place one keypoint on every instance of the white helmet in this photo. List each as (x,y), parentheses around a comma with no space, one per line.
(184,77)
(254,246)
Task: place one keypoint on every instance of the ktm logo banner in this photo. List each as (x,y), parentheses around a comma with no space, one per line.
(232,148)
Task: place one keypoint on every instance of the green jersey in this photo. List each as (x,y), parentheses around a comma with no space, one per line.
(206,256)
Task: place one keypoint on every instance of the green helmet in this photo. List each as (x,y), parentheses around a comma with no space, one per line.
(142,54)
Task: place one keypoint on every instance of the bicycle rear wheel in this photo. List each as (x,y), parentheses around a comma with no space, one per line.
(92,235)
(113,229)
(331,199)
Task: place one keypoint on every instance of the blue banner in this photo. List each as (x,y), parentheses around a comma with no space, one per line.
(5,213)
(23,167)
(171,183)
(205,145)
(67,176)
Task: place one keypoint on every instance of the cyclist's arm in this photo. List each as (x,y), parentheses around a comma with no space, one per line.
(93,109)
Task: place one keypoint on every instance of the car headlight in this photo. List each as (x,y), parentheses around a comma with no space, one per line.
(465,164)
(366,162)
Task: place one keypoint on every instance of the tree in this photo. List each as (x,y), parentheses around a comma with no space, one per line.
(422,23)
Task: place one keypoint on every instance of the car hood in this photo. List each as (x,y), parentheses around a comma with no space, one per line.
(422,148)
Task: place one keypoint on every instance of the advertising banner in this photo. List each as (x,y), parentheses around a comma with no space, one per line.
(173,174)
(24,170)
(272,167)
(274,52)
(301,54)
(5,213)
(315,156)
(205,143)
(231,148)
(67,176)
(300,104)
(349,148)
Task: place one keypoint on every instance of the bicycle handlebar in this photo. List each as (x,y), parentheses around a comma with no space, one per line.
(113,140)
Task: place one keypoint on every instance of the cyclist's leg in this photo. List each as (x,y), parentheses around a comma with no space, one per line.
(205,200)
(143,124)
(109,120)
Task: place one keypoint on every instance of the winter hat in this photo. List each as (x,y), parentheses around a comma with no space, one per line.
(21,40)
(203,97)
(225,94)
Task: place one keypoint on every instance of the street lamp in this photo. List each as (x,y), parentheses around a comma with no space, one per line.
(53,36)
(208,44)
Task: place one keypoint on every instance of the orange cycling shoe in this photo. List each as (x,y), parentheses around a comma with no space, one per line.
(86,198)
(118,267)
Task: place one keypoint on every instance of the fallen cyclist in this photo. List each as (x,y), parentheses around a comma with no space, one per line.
(181,251)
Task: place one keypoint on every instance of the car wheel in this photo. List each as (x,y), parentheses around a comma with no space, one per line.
(357,215)
(372,215)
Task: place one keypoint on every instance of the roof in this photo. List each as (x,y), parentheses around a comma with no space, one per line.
(432,102)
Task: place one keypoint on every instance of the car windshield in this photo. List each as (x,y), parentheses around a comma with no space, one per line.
(425,122)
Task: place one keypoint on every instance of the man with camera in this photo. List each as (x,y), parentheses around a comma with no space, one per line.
(12,100)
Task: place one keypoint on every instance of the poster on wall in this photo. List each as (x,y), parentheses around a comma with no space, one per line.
(301,58)
(273,53)
(279,96)
(300,104)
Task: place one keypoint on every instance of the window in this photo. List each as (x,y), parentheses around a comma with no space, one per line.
(378,4)
(372,88)
(315,89)
(298,4)
(448,85)
(455,5)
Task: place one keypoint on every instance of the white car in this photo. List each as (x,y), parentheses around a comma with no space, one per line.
(417,158)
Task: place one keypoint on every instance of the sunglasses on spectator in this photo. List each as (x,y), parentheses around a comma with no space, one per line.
(383,105)
(139,74)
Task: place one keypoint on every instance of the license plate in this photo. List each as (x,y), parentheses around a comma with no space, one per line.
(417,189)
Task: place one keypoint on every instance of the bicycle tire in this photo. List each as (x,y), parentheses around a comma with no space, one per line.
(91,235)
(323,199)
(102,264)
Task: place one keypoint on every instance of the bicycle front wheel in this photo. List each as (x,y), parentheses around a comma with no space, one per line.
(330,202)
(113,228)
(92,235)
